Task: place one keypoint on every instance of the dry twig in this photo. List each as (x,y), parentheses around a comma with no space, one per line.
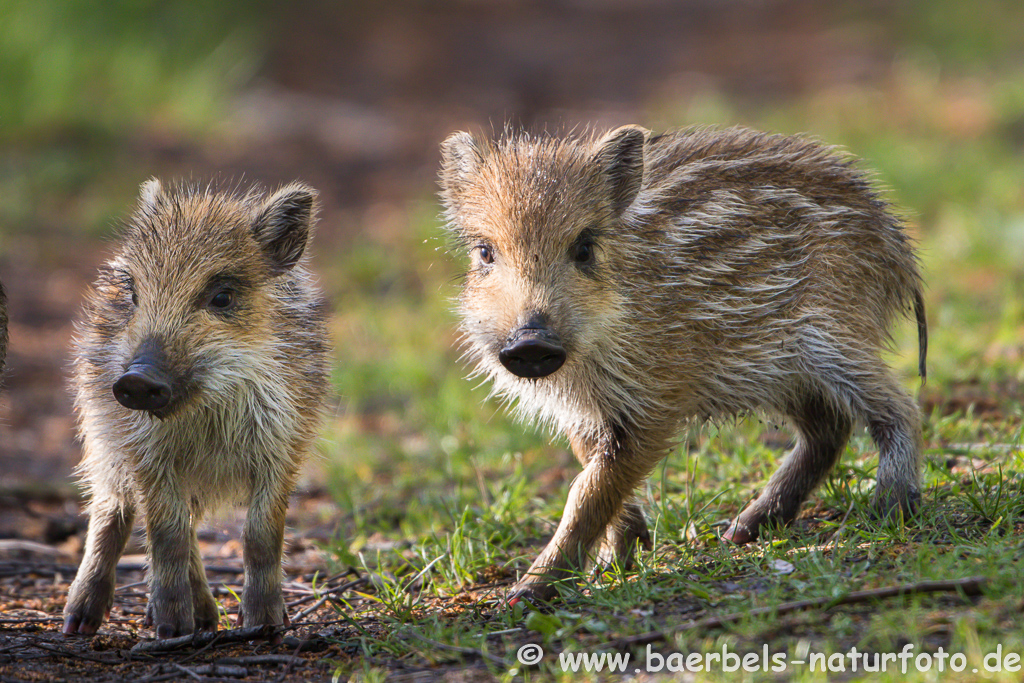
(329,591)
(969,586)
(325,596)
(32,642)
(204,638)
(251,660)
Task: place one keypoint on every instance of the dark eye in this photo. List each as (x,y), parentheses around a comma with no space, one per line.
(127,282)
(486,254)
(583,253)
(222,300)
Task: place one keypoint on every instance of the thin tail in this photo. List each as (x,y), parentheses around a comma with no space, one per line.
(922,336)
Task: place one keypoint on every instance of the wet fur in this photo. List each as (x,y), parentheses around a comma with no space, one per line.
(735,272)
(252,387)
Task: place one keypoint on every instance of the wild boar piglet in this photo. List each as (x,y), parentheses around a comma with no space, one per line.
(199,378)
(624,286)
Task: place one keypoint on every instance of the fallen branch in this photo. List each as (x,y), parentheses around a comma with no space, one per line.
(968,586)
(19,545)
(251,660)
(182,669)
(290,665)
(214,669)
(68,653)
(156,678)
(204,638)
(223,569)
(199,673)
(21,568)
(305,585)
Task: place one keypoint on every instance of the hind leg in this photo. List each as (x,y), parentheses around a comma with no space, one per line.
(894,423)
(204,607)
(867,385)
(823,429)
(621,537)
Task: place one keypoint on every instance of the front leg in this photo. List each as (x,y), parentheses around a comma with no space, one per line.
(614,470)
(629,526)
(263,545)
(92,593)
(172,542)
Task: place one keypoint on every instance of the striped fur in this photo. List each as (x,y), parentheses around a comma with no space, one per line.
(735,272)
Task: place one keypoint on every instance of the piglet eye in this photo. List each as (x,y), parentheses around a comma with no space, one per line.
(486,254)
(222,300)
(127,283)
(583,253)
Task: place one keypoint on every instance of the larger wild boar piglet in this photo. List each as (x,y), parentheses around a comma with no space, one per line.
(623,287)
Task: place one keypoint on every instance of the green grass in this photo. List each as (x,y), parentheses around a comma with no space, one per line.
(969,527)
(70,68)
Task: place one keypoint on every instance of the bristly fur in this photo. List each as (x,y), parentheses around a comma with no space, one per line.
(735,271)
(250,384)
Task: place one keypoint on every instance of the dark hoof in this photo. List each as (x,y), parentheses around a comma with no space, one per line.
(277,637)
(75,626)
(891,506)
(531,594)
(740,534)
(207,626)
(625,555)
(165,631)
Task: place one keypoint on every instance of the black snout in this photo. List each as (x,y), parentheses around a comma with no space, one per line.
(533,352)
(143,387)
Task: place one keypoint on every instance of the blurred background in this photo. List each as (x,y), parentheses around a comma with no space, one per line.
(354,97)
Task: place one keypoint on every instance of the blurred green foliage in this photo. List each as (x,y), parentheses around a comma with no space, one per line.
(74,67)
(981,35)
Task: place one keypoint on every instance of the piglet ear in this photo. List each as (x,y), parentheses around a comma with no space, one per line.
(151,194)
(620,155)
(282,226)
(461,158)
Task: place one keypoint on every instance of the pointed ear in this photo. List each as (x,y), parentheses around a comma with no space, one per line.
(282,226)
(461,158)
(151,193)
(620,155)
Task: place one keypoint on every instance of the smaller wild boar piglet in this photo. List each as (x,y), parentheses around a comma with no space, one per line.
(621,288)
(199,378)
